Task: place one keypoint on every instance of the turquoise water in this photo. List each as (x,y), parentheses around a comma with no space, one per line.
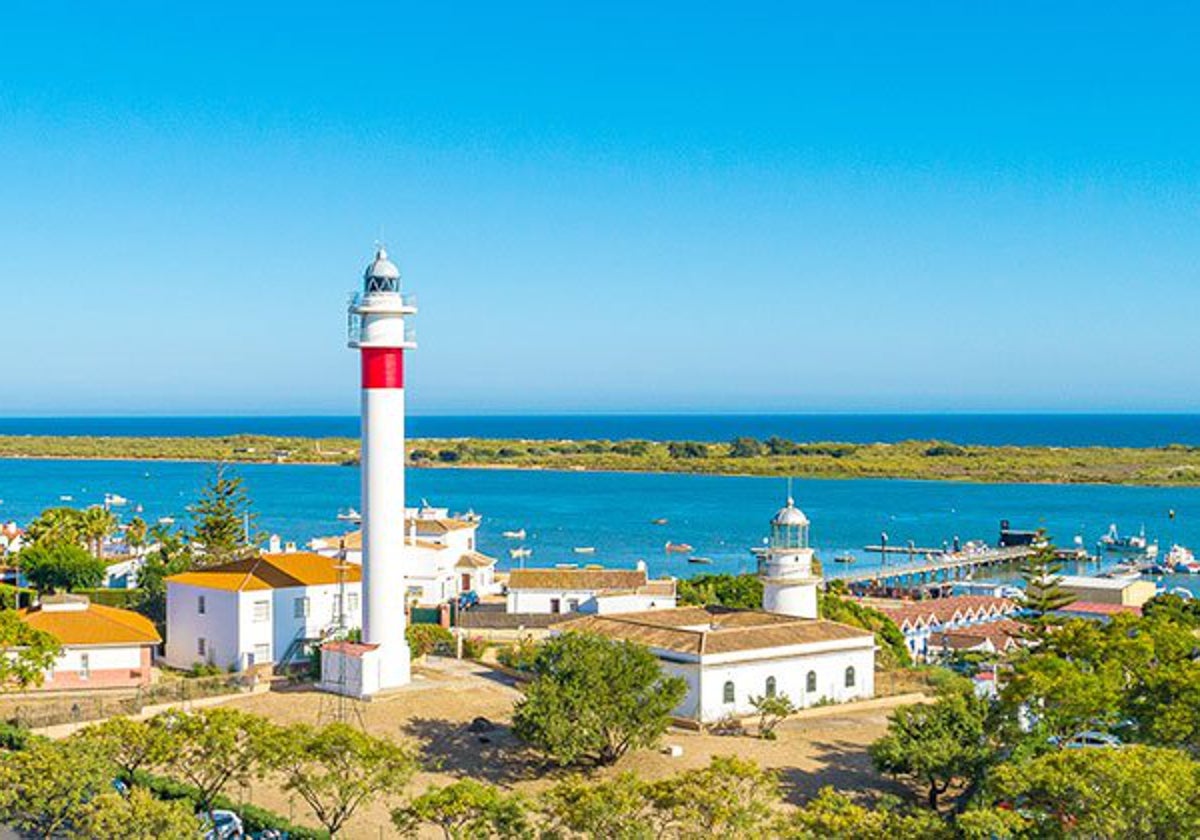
(722,517)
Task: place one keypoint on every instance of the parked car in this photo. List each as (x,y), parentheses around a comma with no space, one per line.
(468,599)
(1085,740)
(225,825)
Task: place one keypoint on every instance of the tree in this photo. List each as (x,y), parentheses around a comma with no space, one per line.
(831,815)
(687,449)
(131,745)
(97,524)
(731,797)
(138,816)
(741,592)
(611,809)
(216,747)
(936,744)
(1043,581)
(222,517)
(170,557)
(772,710)
(337,768)
(592,699)
(1065,695)
(135,534)
(60,566)
(45,788)
(57,525)
(1135,791)
(464,810)
(745,447)
(29,652)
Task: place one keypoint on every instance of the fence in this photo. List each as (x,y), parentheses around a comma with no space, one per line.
(35,710)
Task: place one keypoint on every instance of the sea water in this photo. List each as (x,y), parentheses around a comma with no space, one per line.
(721,517)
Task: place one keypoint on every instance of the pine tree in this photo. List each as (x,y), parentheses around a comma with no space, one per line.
(223,519)
(1043,583)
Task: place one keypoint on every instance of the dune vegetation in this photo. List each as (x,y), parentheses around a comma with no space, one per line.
(931,460)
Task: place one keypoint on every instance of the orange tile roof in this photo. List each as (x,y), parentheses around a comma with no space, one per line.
(271,571)
(475,560)
(95,625)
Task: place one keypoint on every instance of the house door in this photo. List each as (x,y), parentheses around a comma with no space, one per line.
(555,606)
(466,582)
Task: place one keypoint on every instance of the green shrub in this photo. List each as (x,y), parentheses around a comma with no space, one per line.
(519,656)
(205,669)
(429,638)
(254,817)
(14,736)
(474,647)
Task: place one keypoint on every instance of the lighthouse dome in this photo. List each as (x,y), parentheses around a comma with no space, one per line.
(790,515)
(381,268)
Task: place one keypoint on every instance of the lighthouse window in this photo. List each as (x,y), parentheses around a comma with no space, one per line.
(770,686)
(810,683)
(850,677)
(729,692)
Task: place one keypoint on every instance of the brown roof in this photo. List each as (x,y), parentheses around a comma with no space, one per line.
(941,610)
(438,526)
(712,630)
(271,571)
(475,560)
(587,579)
(355,649)
(93,625)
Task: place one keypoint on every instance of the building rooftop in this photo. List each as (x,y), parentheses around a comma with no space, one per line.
(76,622)
(576,579)
(1084,582)
(475,560)
(1093,608)
(271,571)
(941,610)
(349,648)
(711,630)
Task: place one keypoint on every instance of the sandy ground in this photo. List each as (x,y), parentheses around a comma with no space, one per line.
(433,713)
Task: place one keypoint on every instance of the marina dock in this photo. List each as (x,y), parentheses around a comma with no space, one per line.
(940,567)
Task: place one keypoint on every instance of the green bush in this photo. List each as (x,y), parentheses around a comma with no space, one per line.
(254,817)
(14,736)
(205,669)
(519,656)
(474,647)
(429,638)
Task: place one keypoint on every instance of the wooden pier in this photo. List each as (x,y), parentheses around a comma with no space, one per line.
(940,566)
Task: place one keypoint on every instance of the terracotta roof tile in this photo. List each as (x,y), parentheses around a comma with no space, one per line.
(581,579)
(271,571)
(94,625)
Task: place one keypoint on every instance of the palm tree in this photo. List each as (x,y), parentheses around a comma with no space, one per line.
(135,535)
(98,523)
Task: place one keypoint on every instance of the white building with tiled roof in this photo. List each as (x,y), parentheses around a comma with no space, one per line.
(587,590)
(727,657)
(442,559)
(263,610)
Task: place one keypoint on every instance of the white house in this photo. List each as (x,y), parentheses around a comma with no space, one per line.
(729,656)
(587,590)
(920,621)
(269,609)
(102,647)
(443,560)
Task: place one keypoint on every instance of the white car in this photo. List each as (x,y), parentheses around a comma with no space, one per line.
(225,825)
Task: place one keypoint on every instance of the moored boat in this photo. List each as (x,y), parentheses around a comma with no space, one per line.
(349,515)
(678,548)
(704,561)
(1135,545)
(514,535)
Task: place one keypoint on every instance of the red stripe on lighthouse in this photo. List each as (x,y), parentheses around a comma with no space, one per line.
(382,367)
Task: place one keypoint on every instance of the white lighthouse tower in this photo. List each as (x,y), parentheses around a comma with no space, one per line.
(377,330)
(785,566)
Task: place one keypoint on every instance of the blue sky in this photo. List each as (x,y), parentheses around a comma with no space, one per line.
(648,207)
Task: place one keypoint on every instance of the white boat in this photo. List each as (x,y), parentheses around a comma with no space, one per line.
(519,553)
(1136,545)
(584,549)
(349,515)
(514,535)
(66,498)
(166,520)
(114,500)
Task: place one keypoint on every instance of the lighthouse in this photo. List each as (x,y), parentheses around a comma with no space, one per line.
(377,330)
(785,566)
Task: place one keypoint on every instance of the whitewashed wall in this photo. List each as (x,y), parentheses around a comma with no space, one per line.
(218,626)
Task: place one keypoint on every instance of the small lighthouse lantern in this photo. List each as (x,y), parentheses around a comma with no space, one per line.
(789,528)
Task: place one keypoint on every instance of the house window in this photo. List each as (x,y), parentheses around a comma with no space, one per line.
(200,646)
(261,611)
(810,683)
(262,653)
(200,605)
(573,605)
(770,686)
(850,677)
(352,602)
(85,666)
(730,695)
(300,608)
(555,606)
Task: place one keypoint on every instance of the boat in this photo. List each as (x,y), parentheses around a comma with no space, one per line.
(662,520)
(678,548)
(514,535)
(844,557)
(166,520)
(1123,571)
(349,515)
(114,500)
(1136,545)
(519,553)
(584,549)
(66,498)
(704,561)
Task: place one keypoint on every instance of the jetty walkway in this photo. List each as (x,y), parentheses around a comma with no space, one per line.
(933,567)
